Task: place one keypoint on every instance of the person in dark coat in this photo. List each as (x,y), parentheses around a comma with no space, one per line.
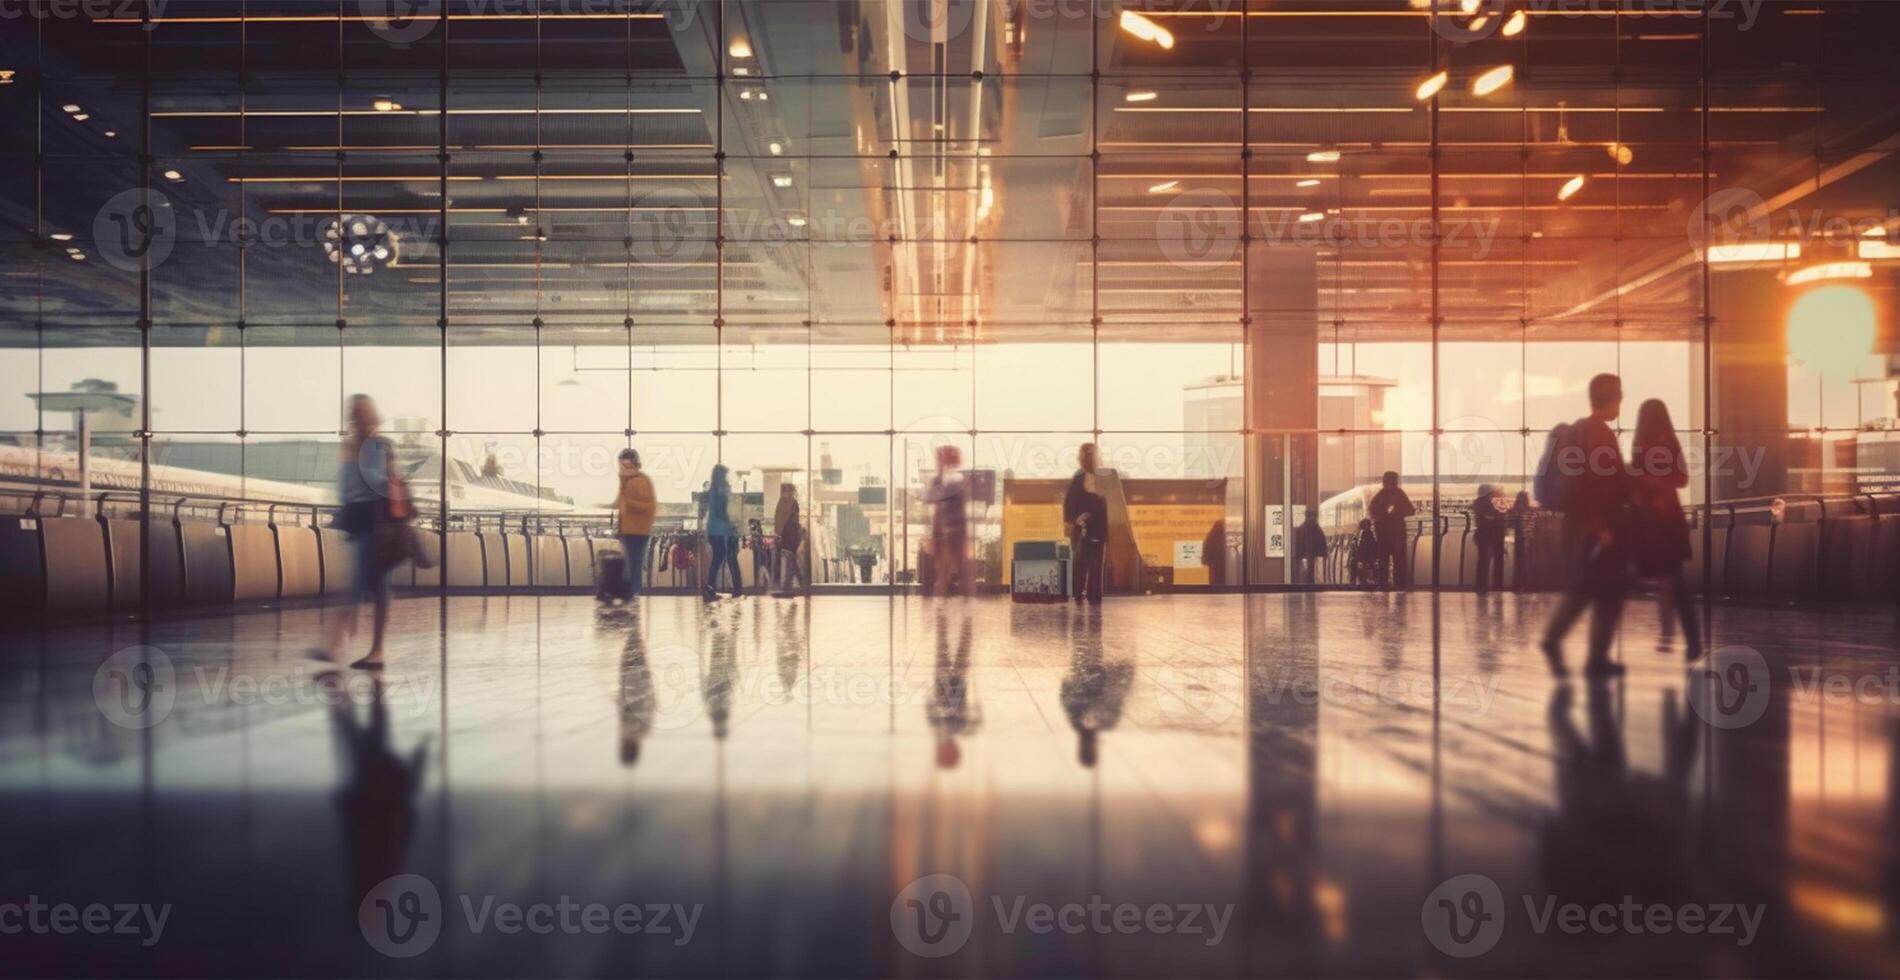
(1597,491)
(1661,544)
(1522,517)
(1085,513)
(1489,520)
(1390,509)
(1309,548)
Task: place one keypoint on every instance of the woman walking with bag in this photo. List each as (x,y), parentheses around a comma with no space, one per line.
(715,515)
(375,505)
(1662,531)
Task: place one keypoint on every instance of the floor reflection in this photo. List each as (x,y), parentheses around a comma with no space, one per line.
(1316,778)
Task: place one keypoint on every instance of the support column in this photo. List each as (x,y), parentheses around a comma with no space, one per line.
(1749,406)
(1282,399)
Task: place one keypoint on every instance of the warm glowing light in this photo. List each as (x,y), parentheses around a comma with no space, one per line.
(740,49)
(1571,188)
(1469,6)
(1146,29)
(1744,252)
(775,148)
(1831,270)
(1308,182)
(81,116)
(796,221)
(386,105)
(1493,80)
(1879,249)
(781,180)
(70,107)
(1477,23)
(1164,187)
(1141,95)
(1515,24)
(173,176)
(1323,156)
(1433,85)
(1310,217)
(1832,327)
(61,236)
(1621,153)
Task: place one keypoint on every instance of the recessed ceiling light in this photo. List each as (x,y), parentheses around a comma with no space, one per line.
(386,105)
(1621,153)
(61,236)
(781,180)
(740,48)
(1141,95)
(112,134)
(1323,156)
(1311,216)
(173,176)
(1146,29)
(796,220)
(81,116)
(1493,80)
(1308,182)
(1469,6)
(745,95)
(775,147)
(1164,187)
(741,71)
(1433,85)
(1571,188)
(70,107)
(1515,24)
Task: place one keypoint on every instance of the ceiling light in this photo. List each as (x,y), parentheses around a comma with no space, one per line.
(112,134)
(1745,252)
(386,105)
(1571,188)
(61,236)
(1323,156)
(1433,85)
(741,71)
(1477,23)
(6,76)
(1493,80)
(1621,153)
(173,176)
(76,255)
(1879,249)
(745,95)
(1146,29)
(1308,182)
(796,220)
(1469,6)
(1164,187)
(1515,24)
(739,48)
(1141,95)
(1831,270)
(781,180)
(1311,216)
(70,107)
(81,116)
(775,147)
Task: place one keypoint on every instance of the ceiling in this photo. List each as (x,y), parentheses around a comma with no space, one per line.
(927,171)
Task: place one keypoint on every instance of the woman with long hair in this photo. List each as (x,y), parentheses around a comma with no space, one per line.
(1662,538)
(948,493)
(363,484)
(715,516)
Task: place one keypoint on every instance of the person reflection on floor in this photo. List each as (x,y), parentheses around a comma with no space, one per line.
(952,712)
(376,803)
(793,628)
(1616,832)
(637,702)
(721,674)
(1094,690)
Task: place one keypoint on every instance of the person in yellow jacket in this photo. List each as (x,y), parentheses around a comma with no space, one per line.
(634,509)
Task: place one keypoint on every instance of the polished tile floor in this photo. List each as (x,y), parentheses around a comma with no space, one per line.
(864,786)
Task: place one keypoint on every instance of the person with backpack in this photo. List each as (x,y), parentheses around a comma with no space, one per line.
(715,516)
(1661,544)
(1390,509)
(1489,520)
(634,509)
(1365,557)
(1583,474)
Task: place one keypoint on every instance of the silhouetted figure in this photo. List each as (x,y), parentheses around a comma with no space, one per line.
(1390,508)
(1593,486)
(377,801)
(1660,538)
(1489,520)
(1522,517)
(1093,691)
(952,571)
(1085,513)
(1309,549)
(952,712)
(791,538)
(1367,568)
(371,497)
(637,698)
(715,517)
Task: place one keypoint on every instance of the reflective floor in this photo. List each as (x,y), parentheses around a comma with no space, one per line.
(862,786)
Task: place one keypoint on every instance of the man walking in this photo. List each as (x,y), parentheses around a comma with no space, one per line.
(1085,513)
(1595,490)
(1390,508)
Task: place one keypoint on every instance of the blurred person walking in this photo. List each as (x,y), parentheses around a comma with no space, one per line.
(635,507)
(952,571)
(374,502)
(791,537)
(1309,548)
(1583,475)
(1660,542)
(1390,509)
(715,517)
(1085,515)
(1523,518)
(1489,520)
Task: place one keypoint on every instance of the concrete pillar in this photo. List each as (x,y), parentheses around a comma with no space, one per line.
(1749,403)
(1282,395)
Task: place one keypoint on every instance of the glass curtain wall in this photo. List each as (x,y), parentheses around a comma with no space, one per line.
(1296,245)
